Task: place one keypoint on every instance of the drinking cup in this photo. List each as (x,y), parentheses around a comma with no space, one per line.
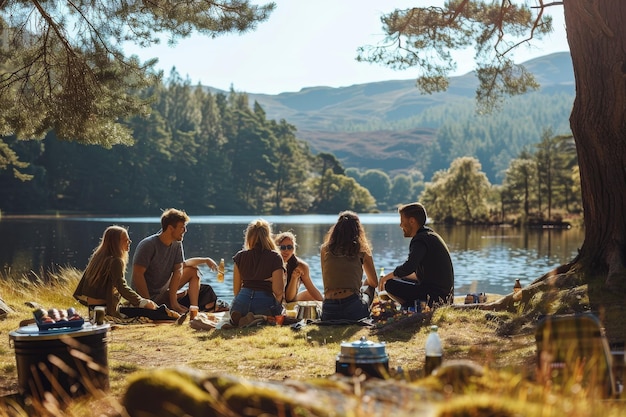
(99,313)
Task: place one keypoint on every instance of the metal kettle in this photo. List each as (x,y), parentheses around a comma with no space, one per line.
(363,354)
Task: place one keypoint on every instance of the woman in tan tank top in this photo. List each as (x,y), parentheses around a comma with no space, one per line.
(345,255)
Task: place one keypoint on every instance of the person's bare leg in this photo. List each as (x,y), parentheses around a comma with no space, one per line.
(304,296)
(191,276)
(292,288)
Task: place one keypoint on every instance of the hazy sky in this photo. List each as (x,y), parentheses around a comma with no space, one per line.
(308,43)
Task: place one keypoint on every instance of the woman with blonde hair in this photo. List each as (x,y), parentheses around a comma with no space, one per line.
(298,271)
(103,283)
(258,283)
(345,255)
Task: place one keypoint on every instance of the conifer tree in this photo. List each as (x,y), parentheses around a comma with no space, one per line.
(423,37)
(62,66)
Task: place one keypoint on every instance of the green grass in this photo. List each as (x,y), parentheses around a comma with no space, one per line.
(275,354)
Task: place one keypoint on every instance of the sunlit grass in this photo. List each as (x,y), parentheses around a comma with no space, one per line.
(277,353)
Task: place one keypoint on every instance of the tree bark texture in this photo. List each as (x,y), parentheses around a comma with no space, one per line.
(596,34)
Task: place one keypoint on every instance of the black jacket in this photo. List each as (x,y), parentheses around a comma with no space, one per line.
(430,259)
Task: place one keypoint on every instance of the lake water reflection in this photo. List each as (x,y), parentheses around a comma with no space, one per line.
(486,259)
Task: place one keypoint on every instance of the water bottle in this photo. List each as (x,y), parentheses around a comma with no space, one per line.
(382,295)
(434,351)
(220,271)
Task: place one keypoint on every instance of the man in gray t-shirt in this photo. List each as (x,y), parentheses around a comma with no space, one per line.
(158,260)
(160,268)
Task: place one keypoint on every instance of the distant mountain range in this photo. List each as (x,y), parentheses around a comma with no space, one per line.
(371,125)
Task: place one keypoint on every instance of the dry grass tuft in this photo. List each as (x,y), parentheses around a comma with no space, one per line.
(500,341)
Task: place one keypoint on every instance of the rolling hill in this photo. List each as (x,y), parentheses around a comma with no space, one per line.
(382,124)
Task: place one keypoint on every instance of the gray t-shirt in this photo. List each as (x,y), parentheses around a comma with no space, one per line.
(159,260)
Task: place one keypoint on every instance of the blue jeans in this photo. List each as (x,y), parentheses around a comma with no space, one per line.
(257,302)
(353,307)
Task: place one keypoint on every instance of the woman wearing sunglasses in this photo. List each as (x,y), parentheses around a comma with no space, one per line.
(297,271)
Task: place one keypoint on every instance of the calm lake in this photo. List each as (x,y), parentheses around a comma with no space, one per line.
(486,259)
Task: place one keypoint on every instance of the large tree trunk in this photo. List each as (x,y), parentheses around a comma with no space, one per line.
(596,34)
(597,38)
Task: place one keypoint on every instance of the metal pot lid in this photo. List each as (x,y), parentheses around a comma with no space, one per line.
(363,348)
(32,332)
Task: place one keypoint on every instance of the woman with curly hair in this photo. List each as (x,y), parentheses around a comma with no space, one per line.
(345,255)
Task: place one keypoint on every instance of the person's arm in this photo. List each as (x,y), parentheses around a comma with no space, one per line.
(236,280)
(417,251)
(291,290)
(139,281)
(194,262)
(308,282)
(370,271)
(119,283)
(278,286)
(383,280)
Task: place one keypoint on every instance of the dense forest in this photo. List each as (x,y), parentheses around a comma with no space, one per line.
(215,152)
(207,153)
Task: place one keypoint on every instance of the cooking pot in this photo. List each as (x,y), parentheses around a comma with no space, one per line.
(369,357)
(309,310)
(62,362)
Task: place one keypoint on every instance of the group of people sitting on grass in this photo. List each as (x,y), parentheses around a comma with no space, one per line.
(267,273)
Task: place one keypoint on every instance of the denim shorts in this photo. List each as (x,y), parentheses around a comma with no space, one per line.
(257,302)
(353,307)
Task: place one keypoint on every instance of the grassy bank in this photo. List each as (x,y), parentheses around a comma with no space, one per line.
(273,353)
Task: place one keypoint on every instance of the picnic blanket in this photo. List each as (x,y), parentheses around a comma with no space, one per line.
(209,321)
(162,313)
(222,320)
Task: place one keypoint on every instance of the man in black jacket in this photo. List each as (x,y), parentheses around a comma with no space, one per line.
(427,274)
